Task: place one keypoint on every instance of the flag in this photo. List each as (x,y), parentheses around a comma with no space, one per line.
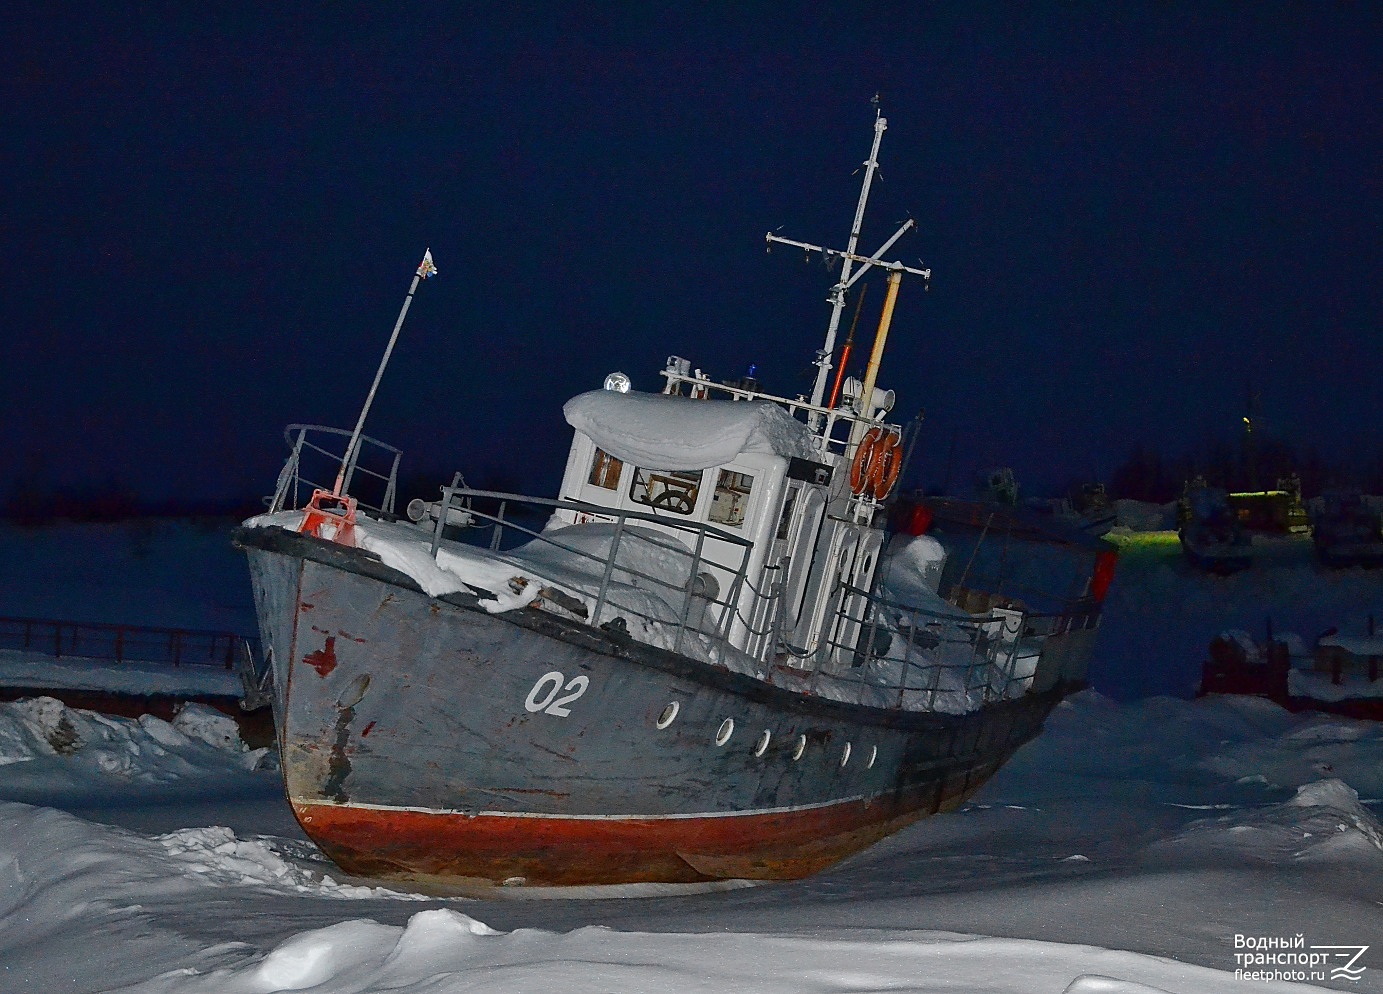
(426,268)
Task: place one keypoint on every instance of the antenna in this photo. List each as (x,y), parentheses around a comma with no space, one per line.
(343,476)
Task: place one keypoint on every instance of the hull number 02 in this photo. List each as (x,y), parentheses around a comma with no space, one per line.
(543,697)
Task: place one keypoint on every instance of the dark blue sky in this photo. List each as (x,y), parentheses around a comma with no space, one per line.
(211,214)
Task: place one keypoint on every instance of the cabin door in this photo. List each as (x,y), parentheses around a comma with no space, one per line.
(834,540)
(793,549)
(846,617)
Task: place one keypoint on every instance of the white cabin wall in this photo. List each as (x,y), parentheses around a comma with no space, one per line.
(765,505)
(799,547)
(721,558)
(578,461)
(833,535)
(575,485)
(574,475)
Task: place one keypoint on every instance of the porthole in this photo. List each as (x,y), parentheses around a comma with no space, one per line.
(761,746)
(845,754)
(669,714)
(800,748)
(873,755)
(726,729)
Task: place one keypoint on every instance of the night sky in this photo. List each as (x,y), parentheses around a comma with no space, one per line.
(1132,212)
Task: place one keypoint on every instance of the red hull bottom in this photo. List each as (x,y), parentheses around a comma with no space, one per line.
(459,849)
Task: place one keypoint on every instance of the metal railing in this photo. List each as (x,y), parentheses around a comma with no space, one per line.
(913,662)
(921,659)
(693,601)
(315,454)
(125,643)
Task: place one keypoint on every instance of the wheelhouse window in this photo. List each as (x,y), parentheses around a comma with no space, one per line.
(605,470)
(666,490)
(731,500)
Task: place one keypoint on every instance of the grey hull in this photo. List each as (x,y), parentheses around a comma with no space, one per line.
(422,737)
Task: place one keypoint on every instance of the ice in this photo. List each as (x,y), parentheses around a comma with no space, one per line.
(968,901)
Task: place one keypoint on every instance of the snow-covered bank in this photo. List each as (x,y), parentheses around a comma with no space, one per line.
(149,749)
(1123,851)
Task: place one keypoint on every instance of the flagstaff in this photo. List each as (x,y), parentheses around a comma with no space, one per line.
(425,269)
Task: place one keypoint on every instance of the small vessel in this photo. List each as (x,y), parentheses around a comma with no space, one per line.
(705,658)
(1273,512)
(1213,538)
(1347,530)
(1338,673)
(1086,507)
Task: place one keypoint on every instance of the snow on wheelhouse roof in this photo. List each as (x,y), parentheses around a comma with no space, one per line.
(670,432)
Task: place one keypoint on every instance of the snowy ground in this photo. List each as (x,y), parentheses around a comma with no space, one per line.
(1123,851)
(1161,613)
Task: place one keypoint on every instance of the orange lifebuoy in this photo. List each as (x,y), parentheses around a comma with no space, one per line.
(885,466)
(862,466)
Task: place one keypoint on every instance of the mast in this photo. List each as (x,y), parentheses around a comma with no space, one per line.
(846,349)
(849,258)
(837,295)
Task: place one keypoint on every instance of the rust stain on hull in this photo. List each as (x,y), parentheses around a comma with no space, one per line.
(324,659)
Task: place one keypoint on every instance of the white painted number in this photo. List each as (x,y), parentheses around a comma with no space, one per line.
(543,697)
(533,703)
(577,687)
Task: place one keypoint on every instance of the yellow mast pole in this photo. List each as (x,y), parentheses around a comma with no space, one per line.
(871,373)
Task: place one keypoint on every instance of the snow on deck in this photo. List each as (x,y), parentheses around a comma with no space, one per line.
(1355,645)
(678,433)
(1320,687)
(572,558)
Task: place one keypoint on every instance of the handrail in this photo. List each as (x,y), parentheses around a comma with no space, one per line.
(565,504)
(293,484)
(982,660)
(609,561)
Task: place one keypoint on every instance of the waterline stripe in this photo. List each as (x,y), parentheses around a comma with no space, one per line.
(789,809)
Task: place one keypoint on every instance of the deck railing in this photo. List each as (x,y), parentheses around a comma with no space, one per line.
(314,459)
(920,660)
(694,600)
(925,660)
(916,661)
